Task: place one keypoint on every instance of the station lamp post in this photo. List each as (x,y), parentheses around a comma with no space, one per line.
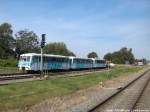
(42,45)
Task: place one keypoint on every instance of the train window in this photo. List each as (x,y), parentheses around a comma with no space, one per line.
(66,60)
(45,59)
(35,58)
(58,59)
(38,58)
(63,60)
(53,59)
(100,61)
(48,58)
(23,58)
(28,58)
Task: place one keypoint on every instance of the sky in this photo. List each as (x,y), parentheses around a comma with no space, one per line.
(84,25)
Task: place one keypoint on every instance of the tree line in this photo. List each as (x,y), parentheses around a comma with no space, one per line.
(26,41)
(123,56)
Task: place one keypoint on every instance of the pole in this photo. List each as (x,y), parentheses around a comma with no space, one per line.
(108,68)
(42,45)
(41,67)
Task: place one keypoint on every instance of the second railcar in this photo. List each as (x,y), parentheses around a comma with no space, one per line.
(81,63)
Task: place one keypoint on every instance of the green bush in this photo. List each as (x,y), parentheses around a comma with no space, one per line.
(8,62)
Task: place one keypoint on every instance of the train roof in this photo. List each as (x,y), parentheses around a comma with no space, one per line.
(85,58)
(47,55)
(97,59)
(58,56)
(71,57)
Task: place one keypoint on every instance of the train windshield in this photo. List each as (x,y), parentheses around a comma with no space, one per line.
(24,58)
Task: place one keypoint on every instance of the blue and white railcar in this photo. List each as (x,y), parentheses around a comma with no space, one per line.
(81,63)
(99,63)
(32,61)
(25,62)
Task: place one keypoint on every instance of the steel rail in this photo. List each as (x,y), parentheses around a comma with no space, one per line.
(117,92)
(141,93)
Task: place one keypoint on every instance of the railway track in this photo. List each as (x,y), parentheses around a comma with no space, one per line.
(4,77)
(143,103)
(15,77)
(126,98)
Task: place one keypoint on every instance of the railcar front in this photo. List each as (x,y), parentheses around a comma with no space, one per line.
(24,63)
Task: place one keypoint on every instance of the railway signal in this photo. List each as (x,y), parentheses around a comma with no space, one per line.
(43,41)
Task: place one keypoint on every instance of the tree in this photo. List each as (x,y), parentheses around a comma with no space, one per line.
(121,57)
(71,53)
(27,41)
(6,40)
(108,56)
(92,55)
(58,48)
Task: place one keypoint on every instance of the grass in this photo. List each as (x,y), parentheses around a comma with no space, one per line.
(8,66)
(26,94)
(11,62)
(7,70)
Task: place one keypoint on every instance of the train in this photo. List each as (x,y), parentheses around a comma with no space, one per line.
(32,61)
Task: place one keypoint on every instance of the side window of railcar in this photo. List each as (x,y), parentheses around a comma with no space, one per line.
(35,58)
(102,61)
(74,61)
(80,61)
(98,61)
(28,58)
(64,60)
(83,61)
(59,59)
(53,59)
(87,61)
(77,60)
(49,59)
(45,59)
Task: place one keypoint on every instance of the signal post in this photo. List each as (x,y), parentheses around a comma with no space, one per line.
(42,45)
